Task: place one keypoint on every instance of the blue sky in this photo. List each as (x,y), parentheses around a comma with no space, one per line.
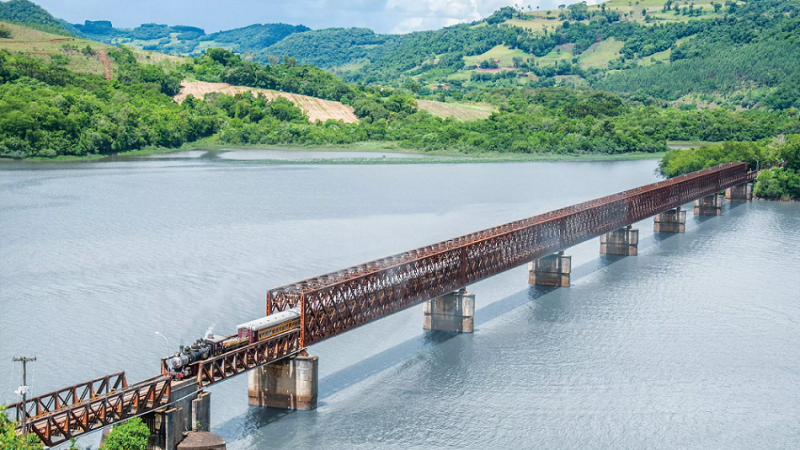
(383,16)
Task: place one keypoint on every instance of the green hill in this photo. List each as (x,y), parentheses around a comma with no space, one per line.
(73,53)
(700,53)
(187,40)
(31,15)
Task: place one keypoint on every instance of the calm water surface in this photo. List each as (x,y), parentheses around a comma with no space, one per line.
(692,344)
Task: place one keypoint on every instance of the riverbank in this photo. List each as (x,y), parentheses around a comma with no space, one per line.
(425,157)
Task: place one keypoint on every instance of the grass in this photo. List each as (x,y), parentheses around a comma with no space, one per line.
(537,22)
(500,52)
(458,111)
(352,66)
(465,159)
(554,57)
(600,54)
(688,144)
(44,46)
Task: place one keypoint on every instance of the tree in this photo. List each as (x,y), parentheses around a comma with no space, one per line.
(517,60)
(10,440)
(4,34)
(717,6)
(130,435)
(412,85)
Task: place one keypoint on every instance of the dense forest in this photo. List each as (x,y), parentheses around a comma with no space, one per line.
(46,110)
(758,45)
(780,157)
(748,55)
(736,54)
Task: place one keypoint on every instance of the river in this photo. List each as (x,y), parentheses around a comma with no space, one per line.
(691,344)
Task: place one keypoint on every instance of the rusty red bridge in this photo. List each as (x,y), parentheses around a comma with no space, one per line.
(337,302)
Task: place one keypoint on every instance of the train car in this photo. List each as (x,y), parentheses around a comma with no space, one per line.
(181,364)
(272,325)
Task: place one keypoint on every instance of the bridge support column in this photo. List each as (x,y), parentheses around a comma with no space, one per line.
(451,312)
(190,412)
(672,221)
(740,193)
(623,242)
(552,270)
(202,440)
(708,206)
(290,383)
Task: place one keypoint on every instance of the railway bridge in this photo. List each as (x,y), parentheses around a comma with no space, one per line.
(281,372)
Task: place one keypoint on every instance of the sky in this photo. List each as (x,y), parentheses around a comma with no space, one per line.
(383,16)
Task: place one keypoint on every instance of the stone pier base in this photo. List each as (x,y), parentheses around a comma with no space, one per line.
(290,383)
(451,312)
(740,193)
(709,206)
(672,221)
(190,412)
(552,270)
(623,242)
(202,440)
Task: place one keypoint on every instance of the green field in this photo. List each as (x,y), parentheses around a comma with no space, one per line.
(560,53)
(599,55)
(458,111)
(629,10)
(502,53)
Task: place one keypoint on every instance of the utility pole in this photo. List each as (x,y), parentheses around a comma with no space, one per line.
(23,390)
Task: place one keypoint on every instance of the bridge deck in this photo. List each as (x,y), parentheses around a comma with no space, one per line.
(337,302)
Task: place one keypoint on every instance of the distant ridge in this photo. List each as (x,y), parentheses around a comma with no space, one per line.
(188,40)
(31,15)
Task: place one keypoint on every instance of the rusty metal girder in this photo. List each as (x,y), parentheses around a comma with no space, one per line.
(222,367)
(334,303)
(60,426)
(69,396)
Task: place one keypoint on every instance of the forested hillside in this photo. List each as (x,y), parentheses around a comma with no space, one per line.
(733,54)
(57,102)
(187,40)
(684,53)
(33,16)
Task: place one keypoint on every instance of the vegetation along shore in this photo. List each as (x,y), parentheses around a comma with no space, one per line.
(610,81)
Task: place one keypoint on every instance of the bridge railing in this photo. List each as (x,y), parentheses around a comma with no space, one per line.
(222,367)
(60,426)
(340,301)
(67,397)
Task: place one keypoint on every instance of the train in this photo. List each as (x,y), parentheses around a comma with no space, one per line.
(182,364)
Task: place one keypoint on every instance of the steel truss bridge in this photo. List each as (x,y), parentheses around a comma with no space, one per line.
(337,302)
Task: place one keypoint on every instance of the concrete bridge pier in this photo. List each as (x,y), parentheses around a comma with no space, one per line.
(290,383)
(740,193)
(189,412)
(451,312)
(709,206)
(552,270)
(623,242)
(672,221)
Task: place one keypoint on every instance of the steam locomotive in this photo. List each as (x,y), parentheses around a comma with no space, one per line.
(182,364)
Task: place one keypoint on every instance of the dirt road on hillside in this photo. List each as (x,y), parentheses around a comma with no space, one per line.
(106,63)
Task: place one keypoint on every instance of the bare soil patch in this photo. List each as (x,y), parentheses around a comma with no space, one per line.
(315,108)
